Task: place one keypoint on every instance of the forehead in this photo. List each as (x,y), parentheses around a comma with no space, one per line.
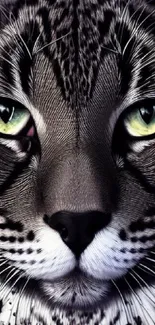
(77,54)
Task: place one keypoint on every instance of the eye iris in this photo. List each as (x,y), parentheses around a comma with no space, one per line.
(147,114)
(6,113)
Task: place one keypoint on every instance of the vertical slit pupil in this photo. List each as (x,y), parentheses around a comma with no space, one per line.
(6,113)
(147,114)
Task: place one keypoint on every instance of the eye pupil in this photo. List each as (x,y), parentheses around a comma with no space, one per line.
(6,113)
(147,114)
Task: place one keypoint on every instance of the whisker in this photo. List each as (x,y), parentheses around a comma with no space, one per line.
(52,42)
(13,285)
(19,298)
(15,272)
(22,40)
(150,259)
(123,301)
(138,300)
(147,268)
(135,275)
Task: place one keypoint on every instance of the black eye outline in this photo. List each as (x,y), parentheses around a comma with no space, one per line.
(12,104)
(122,140)
(28,143)
(136,106)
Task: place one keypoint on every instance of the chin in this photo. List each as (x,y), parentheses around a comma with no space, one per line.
(76,291)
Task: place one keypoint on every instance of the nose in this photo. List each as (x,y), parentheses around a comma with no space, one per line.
(77,230)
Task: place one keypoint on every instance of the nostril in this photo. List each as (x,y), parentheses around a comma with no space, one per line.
(59,227)
(62,231)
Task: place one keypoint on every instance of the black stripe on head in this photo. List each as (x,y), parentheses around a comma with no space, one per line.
(104,26)
(43,13)
(6,64)
(124,60)
(147,70)
(20,4)
(29,36)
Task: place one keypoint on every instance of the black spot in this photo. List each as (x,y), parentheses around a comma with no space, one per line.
(133,251)
(123,250)
(142,250)
(30,236)
(20,251)
(58,322)
(73,297)
(42,261)
(21,239)
(143,239)
(138,320)
(141,225)
(3,238)
(116,319)
(12,239)
(103,26)
(12,251)
(134,239)
(123,235)
(29,251)
(126,261)
(11,225)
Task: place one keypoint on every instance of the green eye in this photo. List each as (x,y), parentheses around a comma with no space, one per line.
(141,122)
(13,117)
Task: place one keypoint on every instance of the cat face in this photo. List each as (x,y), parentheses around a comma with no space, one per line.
(77,145)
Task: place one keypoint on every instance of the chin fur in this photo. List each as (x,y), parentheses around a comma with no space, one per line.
(76,292)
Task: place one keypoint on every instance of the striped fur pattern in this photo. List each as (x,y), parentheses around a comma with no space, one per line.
(77,66)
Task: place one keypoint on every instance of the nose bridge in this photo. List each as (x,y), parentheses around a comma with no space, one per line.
(71,185)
